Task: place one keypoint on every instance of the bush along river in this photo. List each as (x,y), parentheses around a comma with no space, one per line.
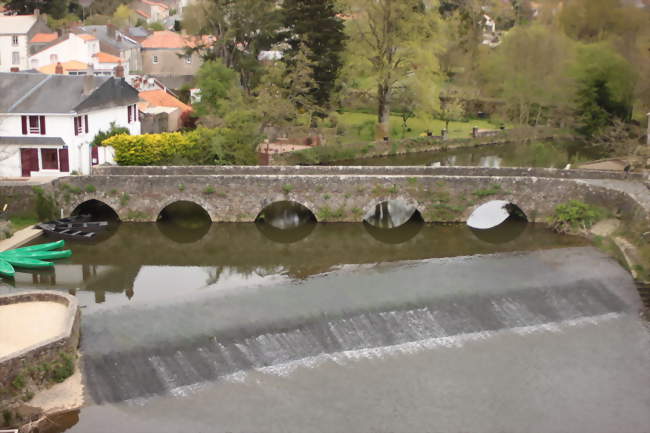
(290,326)
(547,153)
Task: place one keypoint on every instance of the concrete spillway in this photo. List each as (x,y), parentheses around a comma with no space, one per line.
(131,353)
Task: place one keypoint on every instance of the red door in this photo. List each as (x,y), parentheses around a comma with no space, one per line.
(28,161)
(94,155)
(64,164)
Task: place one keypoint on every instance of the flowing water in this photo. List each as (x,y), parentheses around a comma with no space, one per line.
(550,154)
(350,328)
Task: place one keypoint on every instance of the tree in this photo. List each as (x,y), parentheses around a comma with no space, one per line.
(529,71)
(241,30)
(315,24)
(452,109)
(56,8)
(123,17)
(392,41)
(218,85)
(300,84)
(605,85)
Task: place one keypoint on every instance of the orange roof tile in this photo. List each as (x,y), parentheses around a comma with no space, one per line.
(44,38)
(87,37)
(160,98)
(152,3)
(164,39)
(72,65)
(103,57)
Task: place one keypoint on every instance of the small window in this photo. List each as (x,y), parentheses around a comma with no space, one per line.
(49,159)
(154,60)
(14,40)
(188,60)
(34,124)
(15,58)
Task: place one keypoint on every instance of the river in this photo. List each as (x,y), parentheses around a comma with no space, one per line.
(345,328)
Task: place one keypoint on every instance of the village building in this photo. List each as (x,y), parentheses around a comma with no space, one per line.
(116,43)
(16,32)
(162,112)
(47,122)
(165,53)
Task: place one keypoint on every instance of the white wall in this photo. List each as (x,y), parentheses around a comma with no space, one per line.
(73,48)
(6,50)
(63,126)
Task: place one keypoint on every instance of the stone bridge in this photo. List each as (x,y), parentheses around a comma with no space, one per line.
(440,194)
(347,194)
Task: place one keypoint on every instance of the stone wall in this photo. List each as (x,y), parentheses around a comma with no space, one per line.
(45,352)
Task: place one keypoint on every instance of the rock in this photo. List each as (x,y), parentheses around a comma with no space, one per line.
(605,227)
(28,413)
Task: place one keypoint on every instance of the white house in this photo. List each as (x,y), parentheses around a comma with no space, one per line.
(15,33)
(47,122)
(84,48)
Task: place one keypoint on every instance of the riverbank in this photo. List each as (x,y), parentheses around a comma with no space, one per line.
(337,153)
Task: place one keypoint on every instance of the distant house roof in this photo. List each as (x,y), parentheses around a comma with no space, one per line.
(165,39)
(118,41)
(16,24)
(139,32)
(72,65)
(106,58)
(40,38)
(153,3)
(160,98)
(87,37)
(38,93)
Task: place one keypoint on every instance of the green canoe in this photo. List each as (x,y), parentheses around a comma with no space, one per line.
(40,247)
(27,262)
(6,270)
(40,255)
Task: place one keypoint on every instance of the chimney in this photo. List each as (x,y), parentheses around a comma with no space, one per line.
(89,84)
(110,30)
(58,69)
(37,13)
(119,71)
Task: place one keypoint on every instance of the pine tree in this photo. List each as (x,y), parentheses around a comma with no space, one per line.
(316,24)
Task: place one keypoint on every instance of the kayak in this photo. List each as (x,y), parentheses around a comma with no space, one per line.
(6,270)
(39,255)
(27,262)
(40,247)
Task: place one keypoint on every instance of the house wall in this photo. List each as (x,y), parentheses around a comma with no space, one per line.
(6,50)
(63,126)
(168,62)
(73,48)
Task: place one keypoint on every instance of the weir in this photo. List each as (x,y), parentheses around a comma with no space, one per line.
(425,303)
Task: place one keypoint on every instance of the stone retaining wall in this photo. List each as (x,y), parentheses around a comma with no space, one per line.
(44,352)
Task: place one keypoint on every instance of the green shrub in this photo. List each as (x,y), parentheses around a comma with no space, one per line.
(287,188)
(45,204)
(575,215)
(209,190)
(62,368)
(19,382)
(124,200)
(90,188)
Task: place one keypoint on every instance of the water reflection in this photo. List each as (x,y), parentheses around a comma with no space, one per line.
(396,235)
(391,214)
(184,222)
(505,232)
(140,264)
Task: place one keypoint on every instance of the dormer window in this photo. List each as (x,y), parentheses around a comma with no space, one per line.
(14,40)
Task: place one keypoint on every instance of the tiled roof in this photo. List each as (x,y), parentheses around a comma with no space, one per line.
(164,39)
(72,65)
(160,98)
(87,37)
(44,38)
(106,58)
(152,3)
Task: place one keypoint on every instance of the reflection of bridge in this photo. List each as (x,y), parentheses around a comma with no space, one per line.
(347,193)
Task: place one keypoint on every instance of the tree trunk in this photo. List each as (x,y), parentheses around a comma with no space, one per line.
(383,114)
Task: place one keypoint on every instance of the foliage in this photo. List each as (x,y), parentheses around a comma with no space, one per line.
(103,135)
(575,215)
(56,8)
(605,86)
(235,143)
(301,83)
(241,30)
(123,17)
(62,368)
(45,204)
(218,84)
(394,44)
(314,27)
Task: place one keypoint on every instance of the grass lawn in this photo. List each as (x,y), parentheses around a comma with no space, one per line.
(20,222)
(361,127)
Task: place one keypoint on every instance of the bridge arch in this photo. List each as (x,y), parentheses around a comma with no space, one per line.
(99,209)
(392,212)
(493,213)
